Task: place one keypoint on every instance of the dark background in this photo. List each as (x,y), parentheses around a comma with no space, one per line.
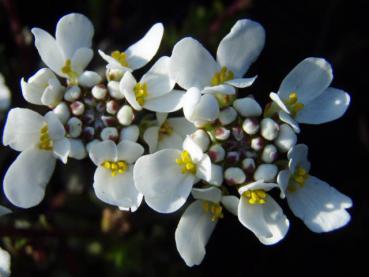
(143,243)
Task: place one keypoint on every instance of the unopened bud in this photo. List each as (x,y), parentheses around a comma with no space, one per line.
(248,165)
(227,116)
(62,112)
(221,133)
(234,176)
(99,91)
(109,133)
(247,107)
(114,91)
(266,172)
(125,115)
(257,143)
(72,94)
(89,79)
(233,157)
(216,153)
(269,154)
(114,74)
(112,107)
(238,133)
(286,138)
(77,108)
(77,149)
(74,126)
(88,133)
(250,126)
(109,120)
(269,129)
(131,133)
(201,138)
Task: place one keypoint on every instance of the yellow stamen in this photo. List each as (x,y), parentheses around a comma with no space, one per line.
(45,142)
(67,70)
(292,104)
(186,163)
(298,179)
(165,130)
(121,57)
(222,76)
(215,210)
(140,92)
(255,196)
(116,168)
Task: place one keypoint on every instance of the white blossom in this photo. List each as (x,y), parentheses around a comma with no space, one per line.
(5,95)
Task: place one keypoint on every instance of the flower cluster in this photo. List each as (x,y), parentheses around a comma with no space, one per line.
(227,151)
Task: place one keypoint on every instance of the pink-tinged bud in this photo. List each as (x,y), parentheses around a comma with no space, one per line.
(99,91)
(248,165)
(221,133)
(112,107)
(72,94)
(88,133)
(250,126)
(227,116)
(257,143)
(238,133)
(88,117)
(100,107)
(233,157)
(109,120)
(269,129)
(234,176)
(77,108)
(109,133)
(216,153)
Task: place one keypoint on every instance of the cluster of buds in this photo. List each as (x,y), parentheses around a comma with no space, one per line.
(227,151)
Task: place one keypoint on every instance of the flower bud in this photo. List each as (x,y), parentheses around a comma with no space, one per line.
(234,176)
(233,157)
(77,108)
(99,91)
(269,154)
(221,133)
(91,144)
(74,126)
(248,165)
(266,172)
(72,94)
(131,133)
(227,116)
(269,128)
(250,126)
(109,133)
(286,138)
(201,138)
(216,178)
(77,149)
(247,107)
(114,91)
(62,112)
(89,79)
(88,133)
(216,153)
(238,133)
(112,107)
(114,74)
(88,117)
(109,120)
(257,143)
(125,115)
(53,94)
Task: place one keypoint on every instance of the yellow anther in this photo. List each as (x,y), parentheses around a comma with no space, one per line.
(214,210)
(116,168)
(121,57)
(298,179)
(186,163)
(140,92)
(222,76)
(45,142)
(165,130)
(292,104)
(67,70)
(255,196)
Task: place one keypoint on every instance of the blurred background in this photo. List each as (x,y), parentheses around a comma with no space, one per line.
(71,233)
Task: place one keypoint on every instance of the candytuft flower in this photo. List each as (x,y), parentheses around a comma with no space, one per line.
(41,141)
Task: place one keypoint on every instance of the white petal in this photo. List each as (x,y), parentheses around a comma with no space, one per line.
(181,126)
(241,82)
(190,100)
(259,184)
(241,47)
(191,64)
(330,105)
(113,63)
(129,151)
(27,177)
(55,127)
(211,194)
(217,176)
(193,149)
(22,129)
(74,31)
(231,202)
(285,117)
(151,137)
(77,149)
(117,190)
(170,102)
(320,206)
(161,118)
(140,53)
(157,78)
(223,89)
(126,86)
(276,99)
(298,156)
(81,59)
(192,234)
(173,141)
(308,79)
(49,50)
(283,179)
(207,109)
(160,180)
(103,151)
(203,170)
(61,149)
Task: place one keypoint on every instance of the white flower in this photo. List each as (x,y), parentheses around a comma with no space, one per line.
(193,66)
(259,213)
(41,140)
(113,179)
(5,95)
(166,177)
(168,133)
(305,96)
(321,207)
(198,222)
(69,53)
(43,88)
(5,263)
(138,54)
(154,91)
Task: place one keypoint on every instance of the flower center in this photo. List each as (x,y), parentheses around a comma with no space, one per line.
(214,210)
(292,103)
(186,163)
(67,70)
(298,179)
(255,196)
(165,130)
(121,57)
(116,168)
(222,76)
(45,142)
(140,92)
